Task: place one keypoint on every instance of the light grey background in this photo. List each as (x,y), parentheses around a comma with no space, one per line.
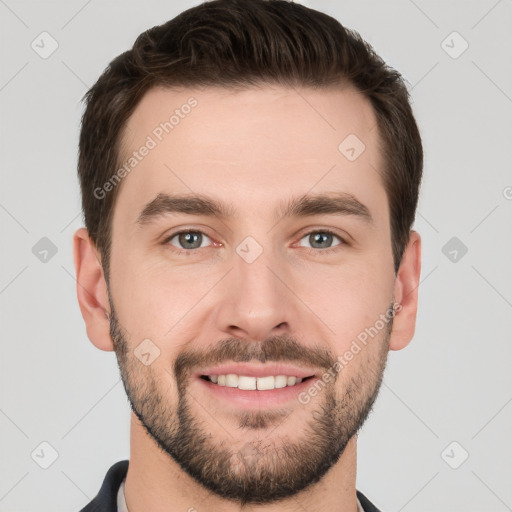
(453,382)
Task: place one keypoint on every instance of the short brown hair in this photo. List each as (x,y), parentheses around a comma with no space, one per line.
(244,43)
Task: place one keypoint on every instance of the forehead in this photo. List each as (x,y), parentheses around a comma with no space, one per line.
(323,115)
(250,146)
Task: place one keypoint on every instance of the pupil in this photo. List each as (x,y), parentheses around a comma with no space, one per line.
(189,238)
(317,238)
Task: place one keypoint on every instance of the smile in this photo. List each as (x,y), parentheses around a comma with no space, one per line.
(248,383)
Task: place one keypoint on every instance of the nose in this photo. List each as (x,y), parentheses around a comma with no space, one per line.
(256,301)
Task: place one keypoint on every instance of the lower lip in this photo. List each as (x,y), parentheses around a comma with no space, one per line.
(256,398)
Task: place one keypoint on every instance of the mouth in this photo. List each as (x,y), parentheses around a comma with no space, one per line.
(248,383)
(248,386)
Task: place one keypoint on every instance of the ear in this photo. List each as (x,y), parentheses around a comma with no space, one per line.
(406,293)
(91,290)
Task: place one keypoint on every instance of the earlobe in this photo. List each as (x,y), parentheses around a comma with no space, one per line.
(406,293)
(92,290)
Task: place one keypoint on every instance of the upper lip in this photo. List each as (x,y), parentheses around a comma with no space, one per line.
(262,370)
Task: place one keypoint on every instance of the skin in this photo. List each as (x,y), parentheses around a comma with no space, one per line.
(253,149)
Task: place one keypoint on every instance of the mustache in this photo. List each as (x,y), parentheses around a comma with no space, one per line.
(276,349)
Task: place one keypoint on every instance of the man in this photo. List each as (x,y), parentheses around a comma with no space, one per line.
(250,173)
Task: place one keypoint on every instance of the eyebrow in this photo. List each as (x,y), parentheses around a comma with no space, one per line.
(340,203)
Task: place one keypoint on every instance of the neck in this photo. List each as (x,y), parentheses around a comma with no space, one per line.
(155,482)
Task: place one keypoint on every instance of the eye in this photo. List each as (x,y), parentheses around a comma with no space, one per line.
(188,240)
(322,239)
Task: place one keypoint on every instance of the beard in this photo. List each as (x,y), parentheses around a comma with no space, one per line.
(254,467)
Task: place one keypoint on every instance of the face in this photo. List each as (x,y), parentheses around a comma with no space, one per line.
(246,243)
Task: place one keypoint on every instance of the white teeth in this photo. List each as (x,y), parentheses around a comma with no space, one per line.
(244,382)
(281,381)
(265,382)
(247,383)
(231,380)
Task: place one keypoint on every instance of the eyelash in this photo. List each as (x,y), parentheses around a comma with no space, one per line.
(310,250)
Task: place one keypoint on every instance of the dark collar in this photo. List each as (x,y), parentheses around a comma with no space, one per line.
(106,499)
(367,505)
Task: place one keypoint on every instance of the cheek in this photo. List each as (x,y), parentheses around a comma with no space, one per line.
(350,299)
(153,300)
